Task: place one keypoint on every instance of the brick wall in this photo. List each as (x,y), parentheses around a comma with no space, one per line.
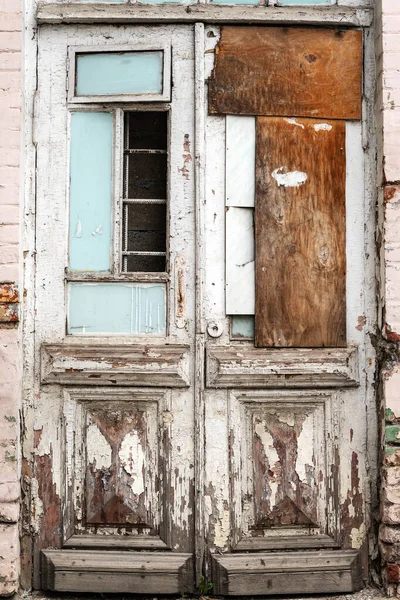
(388,107)
(10,135)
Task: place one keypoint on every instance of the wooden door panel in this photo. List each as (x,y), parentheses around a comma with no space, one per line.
(114,461)
(282,449)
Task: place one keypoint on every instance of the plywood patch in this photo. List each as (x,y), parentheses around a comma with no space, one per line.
(300,225)
(287,71)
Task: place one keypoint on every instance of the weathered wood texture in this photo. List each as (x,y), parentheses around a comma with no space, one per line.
(116,572)
(288,542)
(246,367)
(163,365)
(288,72)
(300,229)
(128,542)
(287,573)
(68,12)
(116,455)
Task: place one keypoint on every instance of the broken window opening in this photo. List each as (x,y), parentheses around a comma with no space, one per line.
(144,214)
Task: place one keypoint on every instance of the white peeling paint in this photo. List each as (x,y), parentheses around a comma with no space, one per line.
(98,230)
(294,122)
(357,536)
(131,456)
(290,179)
(98,449)
(322,127)
(286,417)
(221,531)
(272,457)
(305,451)
(78,230)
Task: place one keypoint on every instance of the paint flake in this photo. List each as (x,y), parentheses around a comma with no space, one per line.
(290,178)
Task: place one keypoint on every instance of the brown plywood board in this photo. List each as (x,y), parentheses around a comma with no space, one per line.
(300,229)
(304,72)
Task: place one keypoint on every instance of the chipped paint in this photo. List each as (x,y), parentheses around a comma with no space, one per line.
(294,122)
(99,451)
(322,127)
(272,479)
(289,178)
(187,158)
(132,460)
(78,229)
(305,458)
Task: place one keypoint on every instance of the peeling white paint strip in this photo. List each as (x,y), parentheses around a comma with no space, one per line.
(294,122)
(290,179)
(98,449)
(305,451)
(322,127)
(78,230)
(271,455)
(132,459)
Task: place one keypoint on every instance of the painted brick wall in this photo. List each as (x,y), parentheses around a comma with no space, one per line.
(10,135)
(388,106)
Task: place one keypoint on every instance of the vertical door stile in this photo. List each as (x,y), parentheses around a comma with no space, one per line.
(199,44)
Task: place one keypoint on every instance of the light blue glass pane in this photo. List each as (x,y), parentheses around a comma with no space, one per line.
(166,2)
(119,73)
(235,1)
(90,191)
(302,2)
(104,1)
(242,326)
(116,308)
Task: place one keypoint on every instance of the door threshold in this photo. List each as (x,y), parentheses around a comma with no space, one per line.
(368,593)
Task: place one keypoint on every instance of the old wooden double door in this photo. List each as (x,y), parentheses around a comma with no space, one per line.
(175,440)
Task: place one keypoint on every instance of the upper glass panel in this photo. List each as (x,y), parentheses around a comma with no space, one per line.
(90,191)
(116,73)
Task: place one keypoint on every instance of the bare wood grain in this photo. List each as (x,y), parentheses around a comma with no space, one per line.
(289,542)
(287,71)
(300,229)
(129,542)
(117,572)
(323,571)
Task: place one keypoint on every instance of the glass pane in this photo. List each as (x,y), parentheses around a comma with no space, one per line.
(242,326)
(235,1)
(146,176)
(303,2)
(90,191)
(147,264)
(116,308)
(119,73)
(145,227)
(146,130)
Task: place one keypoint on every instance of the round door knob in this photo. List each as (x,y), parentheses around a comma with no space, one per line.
(214,329)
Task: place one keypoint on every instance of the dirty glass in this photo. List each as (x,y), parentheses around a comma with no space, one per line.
(110,73)
(132,308)
(90,191)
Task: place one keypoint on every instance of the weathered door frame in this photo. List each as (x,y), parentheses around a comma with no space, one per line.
(54,13)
